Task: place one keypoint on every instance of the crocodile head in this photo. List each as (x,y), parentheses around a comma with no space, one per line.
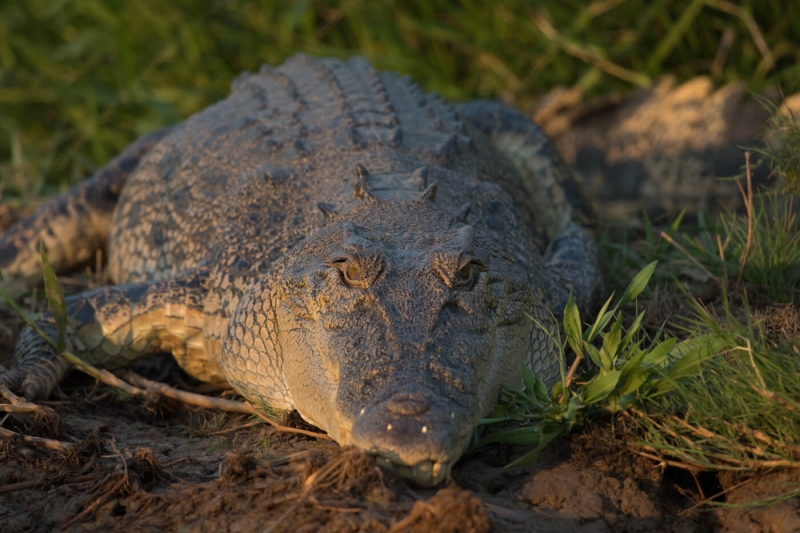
(397,325)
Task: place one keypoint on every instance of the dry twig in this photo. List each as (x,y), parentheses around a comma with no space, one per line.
(98,502)
(147,386)
(713,496)
(768,60)
(722,259)
(587,55)
(40,442)
(14,487)
(106,495)
(572,370)
(287,429)
(17,405)
(24,409)
(234,428)
(787,403)
(680,248)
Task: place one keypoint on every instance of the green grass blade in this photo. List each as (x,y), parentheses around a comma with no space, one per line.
(611,345)
(693,352)
(603,316)
(601,387)
(572,326)
(55,298)
(633,375)
(540,391)
(545,437)
(633,330)
(593,354)
(659,353)
(674,36)
(529,379)
(638,284)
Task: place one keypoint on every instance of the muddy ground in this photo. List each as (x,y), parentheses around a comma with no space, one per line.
(158,465)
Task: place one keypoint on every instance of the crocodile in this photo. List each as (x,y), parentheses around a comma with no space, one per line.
(329,239)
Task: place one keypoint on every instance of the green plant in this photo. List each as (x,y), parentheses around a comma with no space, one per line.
(622,373)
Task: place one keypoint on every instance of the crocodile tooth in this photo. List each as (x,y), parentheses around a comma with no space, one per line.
(437,472)
(422,472)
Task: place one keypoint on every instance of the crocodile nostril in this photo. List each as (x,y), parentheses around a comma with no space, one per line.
(407,404)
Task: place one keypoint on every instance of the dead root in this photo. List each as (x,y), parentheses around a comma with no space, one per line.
(449,511)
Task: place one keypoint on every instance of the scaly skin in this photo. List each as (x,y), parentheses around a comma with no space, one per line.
(333,240)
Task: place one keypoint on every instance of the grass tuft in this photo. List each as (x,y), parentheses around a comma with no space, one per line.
(742,411)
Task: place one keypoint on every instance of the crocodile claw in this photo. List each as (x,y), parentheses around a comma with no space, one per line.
(37,369)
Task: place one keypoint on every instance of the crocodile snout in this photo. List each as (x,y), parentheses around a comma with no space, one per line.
(411,436)
(408,404)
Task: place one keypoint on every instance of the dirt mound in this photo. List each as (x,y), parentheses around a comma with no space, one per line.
(764,505)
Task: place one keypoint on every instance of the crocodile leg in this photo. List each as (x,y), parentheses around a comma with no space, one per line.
(251,354)
(112,326)
(572,256)
(73,226)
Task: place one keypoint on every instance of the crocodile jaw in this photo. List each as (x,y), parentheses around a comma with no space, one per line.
(424,473)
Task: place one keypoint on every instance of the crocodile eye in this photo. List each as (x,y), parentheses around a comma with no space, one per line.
(465,272)
(358,272)
(352,274)
(465,276)
(460,275)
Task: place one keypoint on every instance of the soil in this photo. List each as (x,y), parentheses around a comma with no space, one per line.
(161,467)
(158,465)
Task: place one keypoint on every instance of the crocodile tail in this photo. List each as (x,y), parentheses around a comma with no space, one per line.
(73,226)
(536,158)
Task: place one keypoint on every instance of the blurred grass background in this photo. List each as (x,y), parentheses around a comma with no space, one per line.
(80,79)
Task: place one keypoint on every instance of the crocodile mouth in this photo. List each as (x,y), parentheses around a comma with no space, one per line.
(425,473)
